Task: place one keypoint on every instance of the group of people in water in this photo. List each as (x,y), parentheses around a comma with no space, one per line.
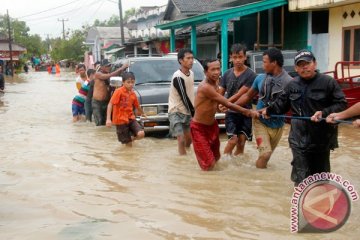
(316,101)
(311,97)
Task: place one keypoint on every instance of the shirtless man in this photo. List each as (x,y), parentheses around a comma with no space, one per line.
(101,94)
(204,128)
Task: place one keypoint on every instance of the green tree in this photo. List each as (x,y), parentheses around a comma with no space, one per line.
(71,48)
(20,35)
(113,21)
(129,13)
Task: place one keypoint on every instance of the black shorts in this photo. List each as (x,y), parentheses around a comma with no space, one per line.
(237,124)
(125,131)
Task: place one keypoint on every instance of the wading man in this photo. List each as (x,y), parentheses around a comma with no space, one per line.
(237,80)
(315,95)
(204,127)
(101,92)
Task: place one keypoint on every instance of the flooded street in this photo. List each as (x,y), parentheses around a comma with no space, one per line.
(60,180)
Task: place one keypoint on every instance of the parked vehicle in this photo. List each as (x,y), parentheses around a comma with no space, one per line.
(153,77)
(255,61)
(349,82)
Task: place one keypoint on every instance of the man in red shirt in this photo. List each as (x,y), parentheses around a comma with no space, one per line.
(121,104)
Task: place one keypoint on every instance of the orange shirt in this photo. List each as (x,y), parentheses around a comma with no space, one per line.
(123,102)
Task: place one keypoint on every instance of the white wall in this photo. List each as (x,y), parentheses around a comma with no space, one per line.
(320,46)
(336,24)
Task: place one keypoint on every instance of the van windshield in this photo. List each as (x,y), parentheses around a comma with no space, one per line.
(157,71)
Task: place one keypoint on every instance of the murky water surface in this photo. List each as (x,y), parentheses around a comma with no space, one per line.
(60,180)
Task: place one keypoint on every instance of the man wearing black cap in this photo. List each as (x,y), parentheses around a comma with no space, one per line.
(101,94)
(315,95)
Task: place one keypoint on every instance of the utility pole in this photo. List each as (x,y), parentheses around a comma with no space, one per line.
(10,46)
(63,20)
(48,42)
(121,24)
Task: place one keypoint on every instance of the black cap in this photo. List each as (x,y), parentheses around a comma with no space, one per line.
(105,63)
(304,55)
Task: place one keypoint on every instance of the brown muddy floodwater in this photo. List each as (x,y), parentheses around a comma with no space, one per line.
(60,180)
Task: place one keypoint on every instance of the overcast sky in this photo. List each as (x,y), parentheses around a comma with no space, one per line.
(42,16)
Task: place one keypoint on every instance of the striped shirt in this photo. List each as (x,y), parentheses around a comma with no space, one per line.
(80,98)
(181,96)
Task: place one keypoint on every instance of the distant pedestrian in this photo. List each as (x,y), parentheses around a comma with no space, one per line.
(57,68)
(26,68)
(53,69)
(122,105)
(2,81)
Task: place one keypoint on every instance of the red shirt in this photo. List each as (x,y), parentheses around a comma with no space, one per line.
(123,102)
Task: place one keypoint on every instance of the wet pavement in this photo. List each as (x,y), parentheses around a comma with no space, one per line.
(60,180)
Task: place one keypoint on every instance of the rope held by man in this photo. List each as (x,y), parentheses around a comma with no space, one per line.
(307,118)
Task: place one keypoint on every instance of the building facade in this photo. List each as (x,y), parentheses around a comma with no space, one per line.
(334,27)
(98,37)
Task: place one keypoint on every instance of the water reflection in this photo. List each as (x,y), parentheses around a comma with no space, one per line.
(61,180)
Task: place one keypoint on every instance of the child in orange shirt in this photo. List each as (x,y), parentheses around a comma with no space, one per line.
(121,104)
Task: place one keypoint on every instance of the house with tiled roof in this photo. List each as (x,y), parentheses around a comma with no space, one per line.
(16,50)
(98,37)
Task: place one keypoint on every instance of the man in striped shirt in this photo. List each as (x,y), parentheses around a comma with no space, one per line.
(181,100)
(78,108)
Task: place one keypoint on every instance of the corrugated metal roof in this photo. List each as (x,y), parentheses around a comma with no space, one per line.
(191,7)
(199,6)
(112,32)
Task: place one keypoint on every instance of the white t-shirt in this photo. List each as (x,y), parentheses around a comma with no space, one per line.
(175,100)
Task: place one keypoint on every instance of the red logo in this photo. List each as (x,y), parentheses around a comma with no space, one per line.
(325,207)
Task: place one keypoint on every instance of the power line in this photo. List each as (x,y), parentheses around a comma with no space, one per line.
(48,10)
(81,5)
(62,13)
(102,2)
(51,16)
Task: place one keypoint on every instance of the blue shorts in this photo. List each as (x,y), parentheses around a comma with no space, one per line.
(77,110)
(237,124)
